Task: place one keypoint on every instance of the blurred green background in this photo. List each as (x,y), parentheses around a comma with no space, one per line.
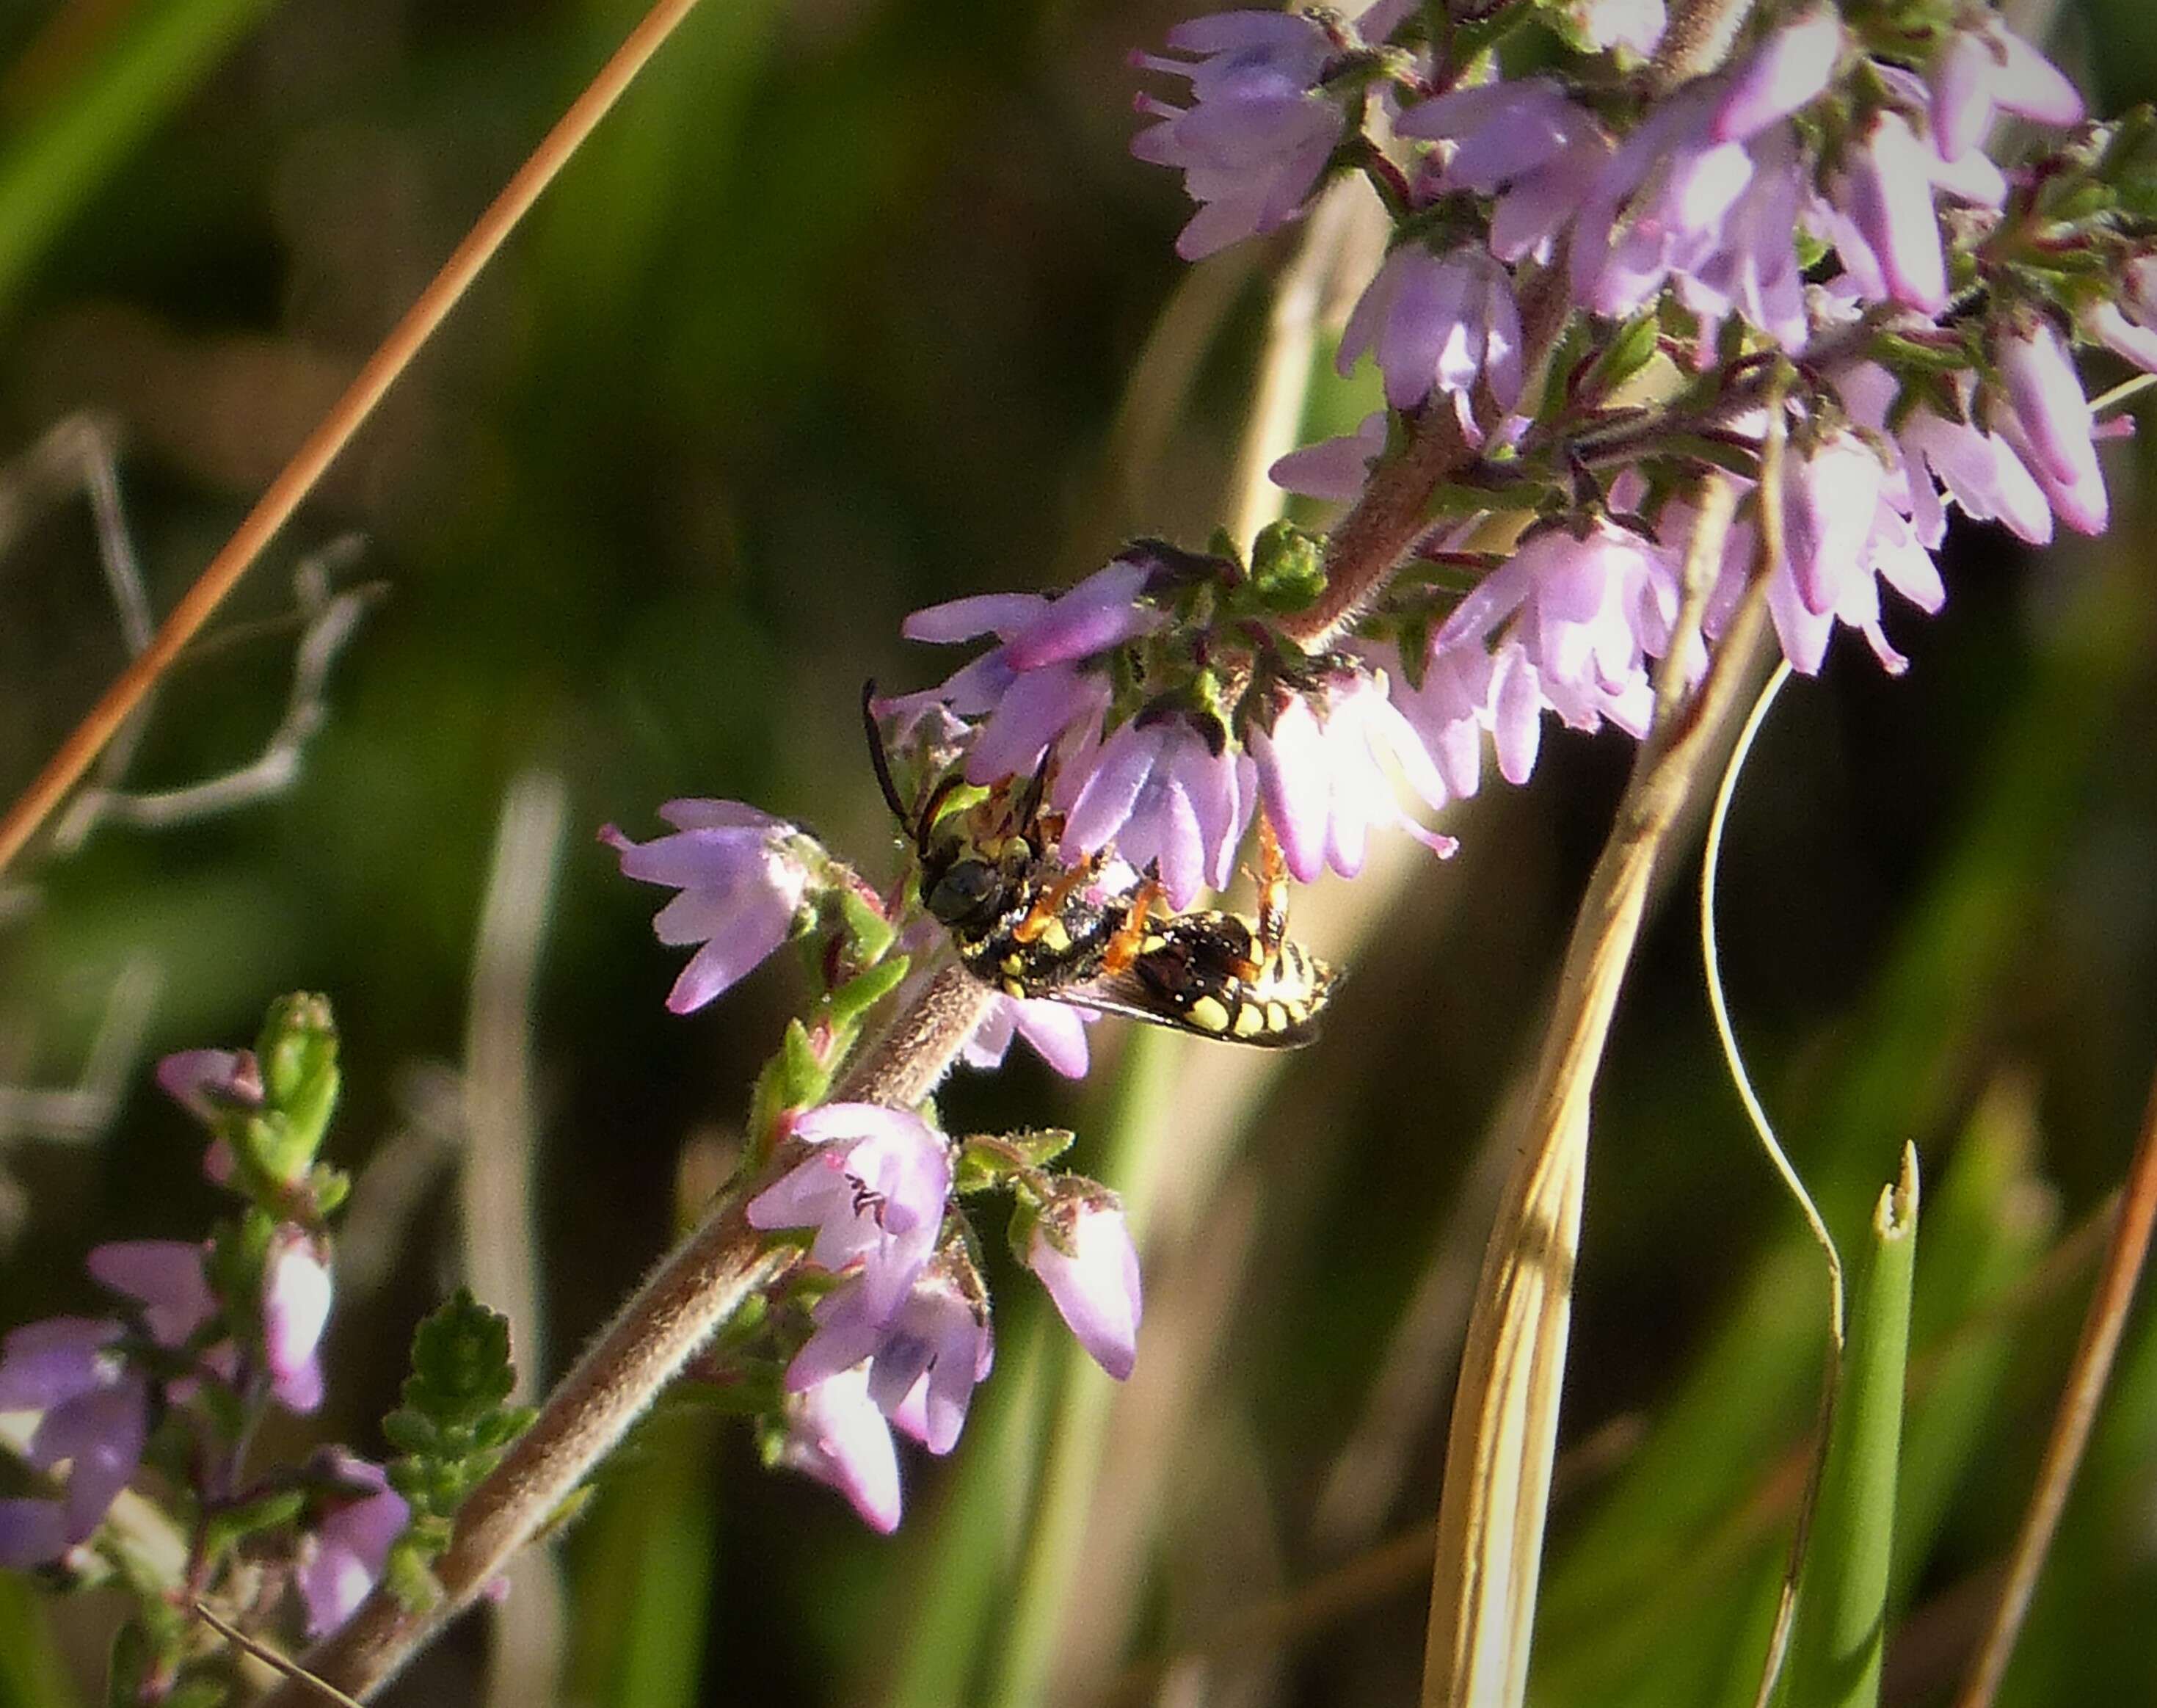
(833,319)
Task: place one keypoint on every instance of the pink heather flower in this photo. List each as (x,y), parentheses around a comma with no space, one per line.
(1160,793)
(1333,469)
(1713,218)
(1788,70)
(1056,1030)
(1830,498)
(2049,421)
(874,1190)
(341,1558)
(1990,68)
(164,1276)
(1439,322)
(1526,142)
(1327,772)
(1979,470)
(1256,137)
(95,1419)
(937,1347)
(1081,1248)
(2127,326)
(1032,690)
(1449,711)
(1878,210)
(742,875)
(1577,621)
(296,1292)
(835,1434)
(208,1083)
(935,1338)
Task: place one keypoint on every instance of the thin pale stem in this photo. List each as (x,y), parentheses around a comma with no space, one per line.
(312,459)
(2116,1285)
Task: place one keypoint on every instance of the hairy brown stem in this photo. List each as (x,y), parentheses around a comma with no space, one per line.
(692,1293)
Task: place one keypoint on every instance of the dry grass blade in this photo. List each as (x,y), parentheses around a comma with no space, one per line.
(272,1659)
(312,459)
(2116,1285)
(1504,1434)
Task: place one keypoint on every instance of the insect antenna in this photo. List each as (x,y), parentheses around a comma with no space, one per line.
(881,761)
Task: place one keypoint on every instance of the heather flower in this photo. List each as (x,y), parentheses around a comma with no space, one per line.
(342,1555)
(1878,209)
(1829,499)
(1449,709)
(1056,1030)
(164,1278)
(296,1292)
(1255,140)
(1524,141)
(936,1337)
(1788,71)
(1081,1248)
(835,1434)
(1442,323)
(2127,326)
(742,876)
(1333,469)
(1327,773)
(208,1083)
(1988,69)
(939,1342)
(1162,793)
(1712,215)
(1576,620)
(1032,690)
(2049,421)
(873,1188)
(1977,468)
(95,1405)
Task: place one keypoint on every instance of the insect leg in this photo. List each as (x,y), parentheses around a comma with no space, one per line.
(1130,939)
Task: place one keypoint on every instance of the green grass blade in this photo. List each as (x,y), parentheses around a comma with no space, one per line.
(59,155)
(1840,1633)
(32,1674)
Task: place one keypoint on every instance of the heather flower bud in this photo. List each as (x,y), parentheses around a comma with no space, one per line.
(836,1435)
(1081,1248)
(2050,415)
(296,1294)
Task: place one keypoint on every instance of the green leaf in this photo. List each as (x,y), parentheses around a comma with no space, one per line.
(869,930)
(1631,350)
(792,1079)
(860,994)
(1839,1632)
(235,1524)
(1287,568)
(453,1426)
(132,1657)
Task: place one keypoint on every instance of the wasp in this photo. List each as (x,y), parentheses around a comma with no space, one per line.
(1029,926)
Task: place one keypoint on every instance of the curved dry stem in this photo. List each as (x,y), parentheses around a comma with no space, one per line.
(1505,1417)
(347,415)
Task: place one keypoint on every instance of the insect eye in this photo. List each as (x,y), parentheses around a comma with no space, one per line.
(960,891)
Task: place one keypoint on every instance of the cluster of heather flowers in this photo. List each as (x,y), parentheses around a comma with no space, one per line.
(1808,275)
(885,1325)
(167,1385)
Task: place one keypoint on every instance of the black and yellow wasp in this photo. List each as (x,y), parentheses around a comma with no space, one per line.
(1029,926)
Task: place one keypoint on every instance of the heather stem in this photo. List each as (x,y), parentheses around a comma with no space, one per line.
(692,1293)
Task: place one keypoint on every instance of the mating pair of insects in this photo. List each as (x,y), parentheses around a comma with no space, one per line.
(1028,925)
